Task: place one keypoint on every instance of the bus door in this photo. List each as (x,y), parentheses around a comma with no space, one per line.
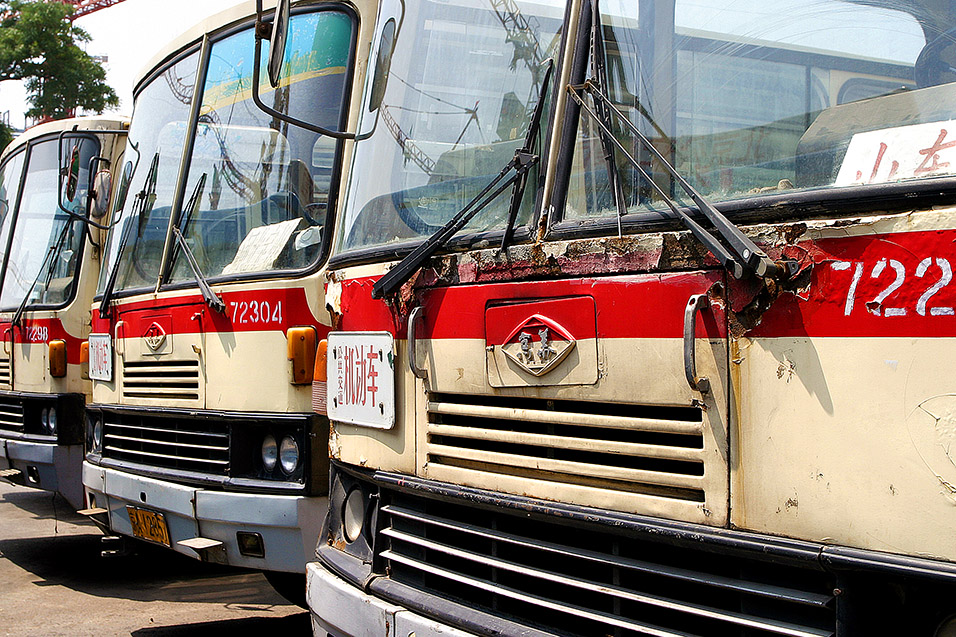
(607,391)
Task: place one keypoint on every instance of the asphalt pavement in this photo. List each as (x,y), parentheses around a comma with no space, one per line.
(54,581)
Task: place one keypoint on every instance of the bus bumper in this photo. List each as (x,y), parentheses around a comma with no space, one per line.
(44,465)
(204,524)
(341,610)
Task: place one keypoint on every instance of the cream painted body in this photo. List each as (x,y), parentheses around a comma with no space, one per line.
(836,440)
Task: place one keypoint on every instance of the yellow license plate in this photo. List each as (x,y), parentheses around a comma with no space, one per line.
(149,525)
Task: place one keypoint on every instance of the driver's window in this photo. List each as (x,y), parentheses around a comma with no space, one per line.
(257,190)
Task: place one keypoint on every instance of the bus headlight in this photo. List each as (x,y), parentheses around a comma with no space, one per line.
(270,452)
(51,421)
(98,435)
(45,419)
(353,515)
(288,455)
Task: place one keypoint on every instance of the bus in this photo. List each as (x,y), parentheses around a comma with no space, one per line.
(55,188)
(210,304)
(642,319)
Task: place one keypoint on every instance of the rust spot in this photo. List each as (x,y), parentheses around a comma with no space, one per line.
(791,503)
(339,544)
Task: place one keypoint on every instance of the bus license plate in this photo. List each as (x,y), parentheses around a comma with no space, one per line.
(101,357)
(149,525)
(361,373)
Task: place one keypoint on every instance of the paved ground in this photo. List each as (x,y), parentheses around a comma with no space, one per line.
(53,581)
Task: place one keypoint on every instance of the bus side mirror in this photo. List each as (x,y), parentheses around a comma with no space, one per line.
(73,173)
(280,35)
(102,184)
(125,180)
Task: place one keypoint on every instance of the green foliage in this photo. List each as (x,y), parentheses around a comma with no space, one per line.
(38,44)
(6,135)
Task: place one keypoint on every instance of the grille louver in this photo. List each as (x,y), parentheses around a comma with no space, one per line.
(191,445)
(571,581)
(169,380)
(11,414)
(628,449)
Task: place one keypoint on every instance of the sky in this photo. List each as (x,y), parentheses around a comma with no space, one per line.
(130,34)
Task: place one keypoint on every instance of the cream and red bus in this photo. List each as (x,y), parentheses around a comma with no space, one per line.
(210,304)
(54,204)
(644,315)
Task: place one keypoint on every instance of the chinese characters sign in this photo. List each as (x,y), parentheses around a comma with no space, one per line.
(905,152)
(361,377)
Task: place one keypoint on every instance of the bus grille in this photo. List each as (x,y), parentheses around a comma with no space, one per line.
(164,380)
(174,443)
(5,378)
(619,452)
(571,581)
(11,414)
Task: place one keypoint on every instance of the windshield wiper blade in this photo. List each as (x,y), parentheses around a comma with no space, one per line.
(741,256)
(46,270)
(529,142)
(521,163)
(147,194)
(212,299)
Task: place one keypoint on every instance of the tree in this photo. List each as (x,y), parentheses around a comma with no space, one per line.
(38,44)
(6,135)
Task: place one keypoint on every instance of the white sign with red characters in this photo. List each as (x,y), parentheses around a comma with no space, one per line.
(905,152)
(361,372)
(101,357)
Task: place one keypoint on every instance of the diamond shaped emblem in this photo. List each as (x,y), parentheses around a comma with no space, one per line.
(154,336)
(538,345)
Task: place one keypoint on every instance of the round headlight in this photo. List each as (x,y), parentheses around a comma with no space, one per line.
(947,628)
(270,452)
(288,455)
(51,421)
(98,435)
(353,515)
(45,418)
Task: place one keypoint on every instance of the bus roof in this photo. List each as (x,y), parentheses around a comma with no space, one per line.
(93,122)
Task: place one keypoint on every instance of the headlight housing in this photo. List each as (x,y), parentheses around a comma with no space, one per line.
(97,434)
(45,419)
(289,455)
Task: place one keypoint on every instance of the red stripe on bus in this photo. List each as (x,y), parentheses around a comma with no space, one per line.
(890,285)
(262,310)
(42,331)
(634,306)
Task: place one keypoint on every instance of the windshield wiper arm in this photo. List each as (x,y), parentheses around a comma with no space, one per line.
(741,255)
(212,299)
(46,270)
(145,196)
(521,163)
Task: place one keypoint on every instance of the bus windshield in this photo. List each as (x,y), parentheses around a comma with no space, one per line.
(154,151)
(451,105)
(257,191)
(47,242)
(749,98)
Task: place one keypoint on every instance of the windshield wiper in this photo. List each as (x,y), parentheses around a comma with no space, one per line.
(740,256)
(146,196)
(212,299)
(520,164)
(46,270)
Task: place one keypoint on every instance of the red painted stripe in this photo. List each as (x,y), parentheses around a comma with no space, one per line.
(261,310)
(632,306)
(42,331)
(892,285)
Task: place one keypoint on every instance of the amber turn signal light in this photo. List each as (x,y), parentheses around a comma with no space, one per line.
(301,342)
(85,352)
(58,358)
